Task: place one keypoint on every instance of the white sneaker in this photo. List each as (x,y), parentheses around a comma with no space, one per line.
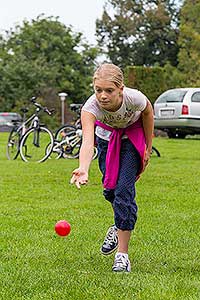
(110,243)
(121,263)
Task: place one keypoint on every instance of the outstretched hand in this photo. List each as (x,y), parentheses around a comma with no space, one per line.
(79,178)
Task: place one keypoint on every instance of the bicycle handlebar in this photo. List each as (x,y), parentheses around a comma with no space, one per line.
(44,108)
(49,112)
(76,107)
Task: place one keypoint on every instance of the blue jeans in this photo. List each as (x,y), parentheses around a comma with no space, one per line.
(122,197)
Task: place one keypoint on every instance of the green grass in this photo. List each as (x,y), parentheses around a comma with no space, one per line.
(36,264)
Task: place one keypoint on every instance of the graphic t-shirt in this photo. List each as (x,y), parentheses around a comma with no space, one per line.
(134,102)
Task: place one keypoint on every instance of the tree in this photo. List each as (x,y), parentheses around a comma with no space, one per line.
(139,32)
(44,57)
(189,42)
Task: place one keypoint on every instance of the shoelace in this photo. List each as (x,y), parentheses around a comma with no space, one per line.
(120,261)
(111,237)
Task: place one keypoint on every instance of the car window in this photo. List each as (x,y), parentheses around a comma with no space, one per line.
(196,97)
(171,96)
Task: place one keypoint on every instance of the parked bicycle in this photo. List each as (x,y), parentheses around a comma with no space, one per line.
(30,138)
(67,143)
(68,138)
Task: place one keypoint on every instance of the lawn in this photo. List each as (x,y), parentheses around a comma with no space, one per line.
(36,264)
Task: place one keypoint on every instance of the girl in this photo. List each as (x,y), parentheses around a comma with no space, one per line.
(122,120)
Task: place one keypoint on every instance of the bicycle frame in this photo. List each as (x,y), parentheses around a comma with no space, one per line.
(36,126)
(22,128)
(71,141)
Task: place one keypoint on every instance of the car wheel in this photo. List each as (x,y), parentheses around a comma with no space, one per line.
(171,135)
(176,135)
(181,136)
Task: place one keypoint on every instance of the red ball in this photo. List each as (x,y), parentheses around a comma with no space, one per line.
(62,228)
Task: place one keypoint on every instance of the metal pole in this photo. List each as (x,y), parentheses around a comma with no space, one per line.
(63,111)
(62,99)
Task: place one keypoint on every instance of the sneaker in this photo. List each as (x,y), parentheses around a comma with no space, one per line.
(121,263)
(110,243)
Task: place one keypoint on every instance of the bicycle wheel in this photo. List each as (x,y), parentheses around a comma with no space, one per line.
(73,152)
(71,148)
(56,152)
(95,155)
(155,152)
(69,141)
(12,149)
(34,144)
(66,130)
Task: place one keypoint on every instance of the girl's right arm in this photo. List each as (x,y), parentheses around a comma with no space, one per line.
(80,175)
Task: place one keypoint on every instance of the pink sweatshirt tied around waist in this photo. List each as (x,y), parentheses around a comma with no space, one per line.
(136,135)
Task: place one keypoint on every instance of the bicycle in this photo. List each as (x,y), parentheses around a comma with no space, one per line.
(67,143)
(68,138)
(31,142)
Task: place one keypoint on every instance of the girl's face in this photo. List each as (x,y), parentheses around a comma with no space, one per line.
(108,94)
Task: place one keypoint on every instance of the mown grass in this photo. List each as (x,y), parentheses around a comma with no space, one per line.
(36,264)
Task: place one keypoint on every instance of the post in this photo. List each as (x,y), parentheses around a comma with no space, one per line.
(62,99)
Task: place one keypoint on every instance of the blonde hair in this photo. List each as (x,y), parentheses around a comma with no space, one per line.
(109,72)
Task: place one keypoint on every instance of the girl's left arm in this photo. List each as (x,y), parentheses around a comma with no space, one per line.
(148,125)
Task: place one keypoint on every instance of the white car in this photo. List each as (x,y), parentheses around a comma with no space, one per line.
(177,111)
